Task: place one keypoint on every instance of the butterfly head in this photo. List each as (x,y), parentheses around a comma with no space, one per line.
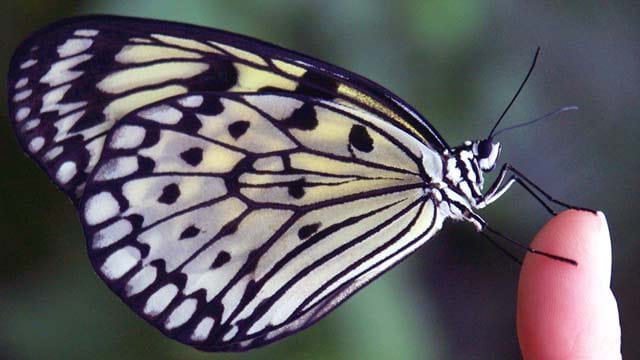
(486,153)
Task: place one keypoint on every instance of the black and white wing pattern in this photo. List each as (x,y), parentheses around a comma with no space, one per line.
(231,192)
(72,81)
(229,221)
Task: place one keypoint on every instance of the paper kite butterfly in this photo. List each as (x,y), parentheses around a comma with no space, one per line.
(233,192)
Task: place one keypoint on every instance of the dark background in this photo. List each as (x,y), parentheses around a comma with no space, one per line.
(457,63)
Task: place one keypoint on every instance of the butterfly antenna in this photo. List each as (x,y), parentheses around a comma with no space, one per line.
(533,64)
(543,117)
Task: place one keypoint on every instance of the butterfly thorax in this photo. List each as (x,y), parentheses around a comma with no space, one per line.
(460,190)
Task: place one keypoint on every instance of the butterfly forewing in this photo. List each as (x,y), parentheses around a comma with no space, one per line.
(72,81)
(231,220)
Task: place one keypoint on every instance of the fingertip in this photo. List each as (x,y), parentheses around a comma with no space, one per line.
(578,235)
(560,306)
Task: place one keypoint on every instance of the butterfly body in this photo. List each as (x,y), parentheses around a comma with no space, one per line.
(233,192)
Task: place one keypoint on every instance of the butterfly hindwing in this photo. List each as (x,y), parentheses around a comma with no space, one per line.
(229,220)
(73,80)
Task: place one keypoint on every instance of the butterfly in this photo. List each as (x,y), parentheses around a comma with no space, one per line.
(233,192)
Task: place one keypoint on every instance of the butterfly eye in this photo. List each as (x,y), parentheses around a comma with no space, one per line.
(484,149)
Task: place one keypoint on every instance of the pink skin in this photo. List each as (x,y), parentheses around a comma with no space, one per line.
(564,311)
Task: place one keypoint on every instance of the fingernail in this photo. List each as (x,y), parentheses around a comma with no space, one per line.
(605,250)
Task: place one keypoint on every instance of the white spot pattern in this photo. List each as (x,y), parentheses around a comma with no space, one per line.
(60,72)
(22,83)
(36,144)
(86,32)
(53,153)
(181,314)
(22,113)
(112,233)
(74,47)
(66,171)
(127,137)
(120,262)
(193,101)
(100,207)
(31,124)
(230,334)
(163,114)
(51,101)
(27,64)
(203,329)
(22,95)
(117,168)
(160,299)
(141,280)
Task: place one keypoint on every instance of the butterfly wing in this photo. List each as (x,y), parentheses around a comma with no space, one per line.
(229,221)
(72,81)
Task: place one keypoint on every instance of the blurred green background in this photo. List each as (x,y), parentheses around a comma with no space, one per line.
(458,64)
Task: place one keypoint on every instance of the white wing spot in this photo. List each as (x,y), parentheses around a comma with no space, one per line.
(245,344)
(233,297)
(140,40)
(163,114)
(111,234)
(191,101)
(160,299)
(230,334)
(117,168)
(21,83)
(203,329)
(74,47)
(276,106)
(31,124)
(36,144)
(66,172)
(120,262)
(181,314)
(65,124)
(270,163)
(22,113)
(141,280)
(53,153)
(27,64)
(100,207)
(51,101)
(94,147)
(60,72)
(22,95)
(86,32)
(127,137)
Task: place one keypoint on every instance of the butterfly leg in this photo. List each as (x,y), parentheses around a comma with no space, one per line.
(484,229)
(499,187)
(527,248)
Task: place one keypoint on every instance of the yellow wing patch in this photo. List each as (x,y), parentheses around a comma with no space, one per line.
(251,78)
(124,105)
(185,43)
(371,103)
(135,54)
(241,54)
(289,68)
